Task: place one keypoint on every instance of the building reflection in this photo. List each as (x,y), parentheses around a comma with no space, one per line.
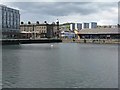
(10,66)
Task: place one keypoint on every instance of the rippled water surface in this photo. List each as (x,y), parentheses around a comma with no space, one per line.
(62,65)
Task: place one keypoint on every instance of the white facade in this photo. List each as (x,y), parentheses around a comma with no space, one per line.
(79,26)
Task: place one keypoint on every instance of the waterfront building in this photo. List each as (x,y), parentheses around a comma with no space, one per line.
(33,30)
(37,30)
(93,25)
(85,25)
(99,33)
(10,22)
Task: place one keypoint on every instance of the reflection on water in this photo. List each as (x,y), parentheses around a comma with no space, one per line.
(60,66)
(11,62)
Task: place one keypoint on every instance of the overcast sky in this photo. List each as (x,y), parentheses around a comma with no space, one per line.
(101,12)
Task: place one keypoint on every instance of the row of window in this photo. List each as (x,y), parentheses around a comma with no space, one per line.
(12,18)
(10,22)
(9,10)
(42,27)
(36,28)
(10,25)
(13,27)
(30,30)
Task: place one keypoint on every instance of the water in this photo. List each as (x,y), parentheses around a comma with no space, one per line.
(63,65)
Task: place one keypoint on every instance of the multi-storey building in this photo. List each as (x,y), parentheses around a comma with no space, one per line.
(33,30)
(36,31)
(10,22)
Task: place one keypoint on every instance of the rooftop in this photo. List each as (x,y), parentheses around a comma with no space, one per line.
(100,31)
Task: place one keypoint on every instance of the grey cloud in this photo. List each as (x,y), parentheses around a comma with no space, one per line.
(50,11)
(62,8)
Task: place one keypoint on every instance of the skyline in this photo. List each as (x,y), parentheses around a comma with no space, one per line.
(104,13)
